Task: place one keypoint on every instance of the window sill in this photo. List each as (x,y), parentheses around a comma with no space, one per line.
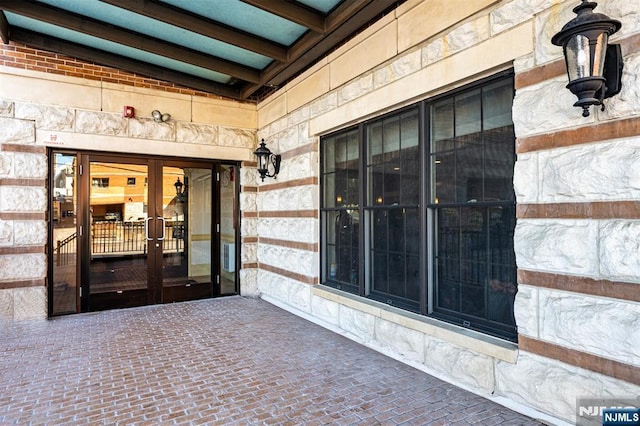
(451,333)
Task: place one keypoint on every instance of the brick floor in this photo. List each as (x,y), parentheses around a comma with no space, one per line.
(218,361)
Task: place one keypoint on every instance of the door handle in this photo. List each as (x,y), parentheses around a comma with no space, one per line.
(146,228)
(163,229)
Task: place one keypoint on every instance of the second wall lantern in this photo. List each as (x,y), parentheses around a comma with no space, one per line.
(266,158)
(594,67)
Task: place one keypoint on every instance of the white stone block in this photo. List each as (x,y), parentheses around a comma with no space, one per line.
(6,304)
(324,104)
(101,123)
(196,133)
(545,107)
(602,171)
(298,261)
(249,226)
(303,230)
(6,108)
(295,198)
(400,340)
(299,295)
(22,266)
(142,128)
(619,250)
(47,117)
(6,232)
(22,199)
(29,303)
(557,245)
(238,138)
(526,310)
(525,178)
(326,310)
(547,24)
(624,11)
(249,253)
(30,232)
(13,130)
(357,324)
(249,283)
(514,13)
(400,67)
(553,387)
(33,166)
(625,103)
(606,327)
(459,365)
(6,163)
(248,201)
(299,116)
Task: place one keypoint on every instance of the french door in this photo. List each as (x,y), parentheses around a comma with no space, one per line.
(148,231)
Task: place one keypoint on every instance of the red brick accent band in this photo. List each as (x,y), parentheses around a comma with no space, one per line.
(582,285)
(294,276)
(290,244)
(22,216)
(29,149)
(8,285)
(249,265)
(290,213)
(22,250)
(601,365)
(593,210)
(587,134)
(289,184)
(23,182)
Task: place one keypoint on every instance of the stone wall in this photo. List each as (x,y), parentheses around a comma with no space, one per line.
(577,187)
(39,109)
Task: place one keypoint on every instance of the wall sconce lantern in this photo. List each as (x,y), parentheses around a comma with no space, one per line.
(179,188)
(159,117)
(264,158)
(593,66)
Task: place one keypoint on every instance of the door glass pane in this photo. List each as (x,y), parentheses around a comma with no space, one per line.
(65,237)
(228,228)
(118,209)
(186,208)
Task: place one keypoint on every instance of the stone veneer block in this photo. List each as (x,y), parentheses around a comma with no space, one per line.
(625,104)
(378,48)
(460,365)
(326,310)
(6,232)
(101,123)
(512,13)
(249,253)
(272,109)
(299,296)
(303,230)
(224,113)
(6,163)
(6,304)
(297,261)
(591,172)
(47,117)
(17,131)
(542,108)
(22,199)
(32,166)
(22,266)
(249,282)
(557,245)
(403,341)
(526,310)
(30,232)
(552,386)
(50,89)
(440,15)
(294,198)
(357,324)
(525,178)
(6,108)
(29,303)
(400,67)
(619,249)
(238,138)
(606,327)
(142,128)
(547,24)
(196,133)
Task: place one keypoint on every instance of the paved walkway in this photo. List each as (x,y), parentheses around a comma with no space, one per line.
(224,361)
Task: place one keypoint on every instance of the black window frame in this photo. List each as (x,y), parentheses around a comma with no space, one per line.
(429,210)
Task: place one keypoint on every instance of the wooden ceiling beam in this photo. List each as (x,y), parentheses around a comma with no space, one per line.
(62,18)
(292,12)
(203,26)
(4,28)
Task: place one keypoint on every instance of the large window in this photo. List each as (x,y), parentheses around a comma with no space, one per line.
(418,208)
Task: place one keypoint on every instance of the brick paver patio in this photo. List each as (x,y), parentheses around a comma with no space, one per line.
(218,361)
